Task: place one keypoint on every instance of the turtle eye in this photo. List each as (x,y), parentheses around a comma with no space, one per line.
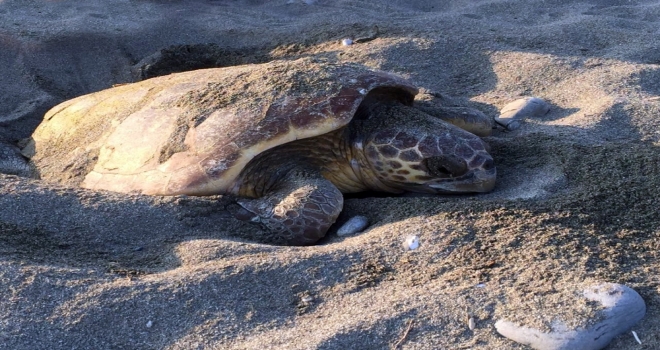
(446,166)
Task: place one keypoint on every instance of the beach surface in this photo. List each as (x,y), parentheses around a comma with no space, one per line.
(576,201)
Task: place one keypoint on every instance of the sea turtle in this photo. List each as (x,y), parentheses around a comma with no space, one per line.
(286,137)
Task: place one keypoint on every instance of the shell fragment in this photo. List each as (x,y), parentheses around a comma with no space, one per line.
(471,323)
(411,243)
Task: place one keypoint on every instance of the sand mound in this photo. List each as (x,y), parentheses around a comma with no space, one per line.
(576,200)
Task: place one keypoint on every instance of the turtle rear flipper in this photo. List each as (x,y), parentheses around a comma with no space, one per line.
(298,211)
(12,162)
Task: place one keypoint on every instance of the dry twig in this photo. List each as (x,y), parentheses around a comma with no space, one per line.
(405,334)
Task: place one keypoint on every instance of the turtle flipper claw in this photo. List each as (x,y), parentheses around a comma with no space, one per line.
(298,212)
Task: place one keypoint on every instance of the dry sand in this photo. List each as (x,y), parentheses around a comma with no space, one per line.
(576,202)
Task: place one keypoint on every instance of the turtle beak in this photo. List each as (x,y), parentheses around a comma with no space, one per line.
(481,180)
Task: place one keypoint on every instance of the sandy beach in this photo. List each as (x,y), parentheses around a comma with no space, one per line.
(576,200)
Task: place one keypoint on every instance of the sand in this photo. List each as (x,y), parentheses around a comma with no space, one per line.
(576,199)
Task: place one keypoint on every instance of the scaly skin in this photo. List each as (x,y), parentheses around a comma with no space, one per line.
(297,210)
(295,190)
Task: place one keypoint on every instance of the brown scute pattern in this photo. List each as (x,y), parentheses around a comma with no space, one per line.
(394,164)
(225,158)
(82,123)
(175,142)
(464,151)
(311,206)
(298,213)
(388,151)
(384,137)
(183,178)
(428,150)
(306,97)
(404,140)
(267,128)
(372,153)
(344,104)
(478,161)
(305,119)
(410,155)
(476,144)
(239,111)
(428,146)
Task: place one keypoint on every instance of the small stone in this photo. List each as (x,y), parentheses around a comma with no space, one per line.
(149,324)
(528,107)
(623,308)
(353,225)
(471,323)
(347,42)
(411,243)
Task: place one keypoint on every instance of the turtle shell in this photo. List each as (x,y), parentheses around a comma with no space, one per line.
(193,132)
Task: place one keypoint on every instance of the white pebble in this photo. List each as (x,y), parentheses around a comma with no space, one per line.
(353,225)
(411,243)
(471,323)
(149,324)
(347,42)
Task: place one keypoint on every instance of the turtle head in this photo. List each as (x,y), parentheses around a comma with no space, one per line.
(442,159)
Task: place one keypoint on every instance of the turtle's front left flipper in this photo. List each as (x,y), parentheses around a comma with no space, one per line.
(297,211)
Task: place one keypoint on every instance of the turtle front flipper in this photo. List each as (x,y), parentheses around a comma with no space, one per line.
(297,211)
(469,119)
